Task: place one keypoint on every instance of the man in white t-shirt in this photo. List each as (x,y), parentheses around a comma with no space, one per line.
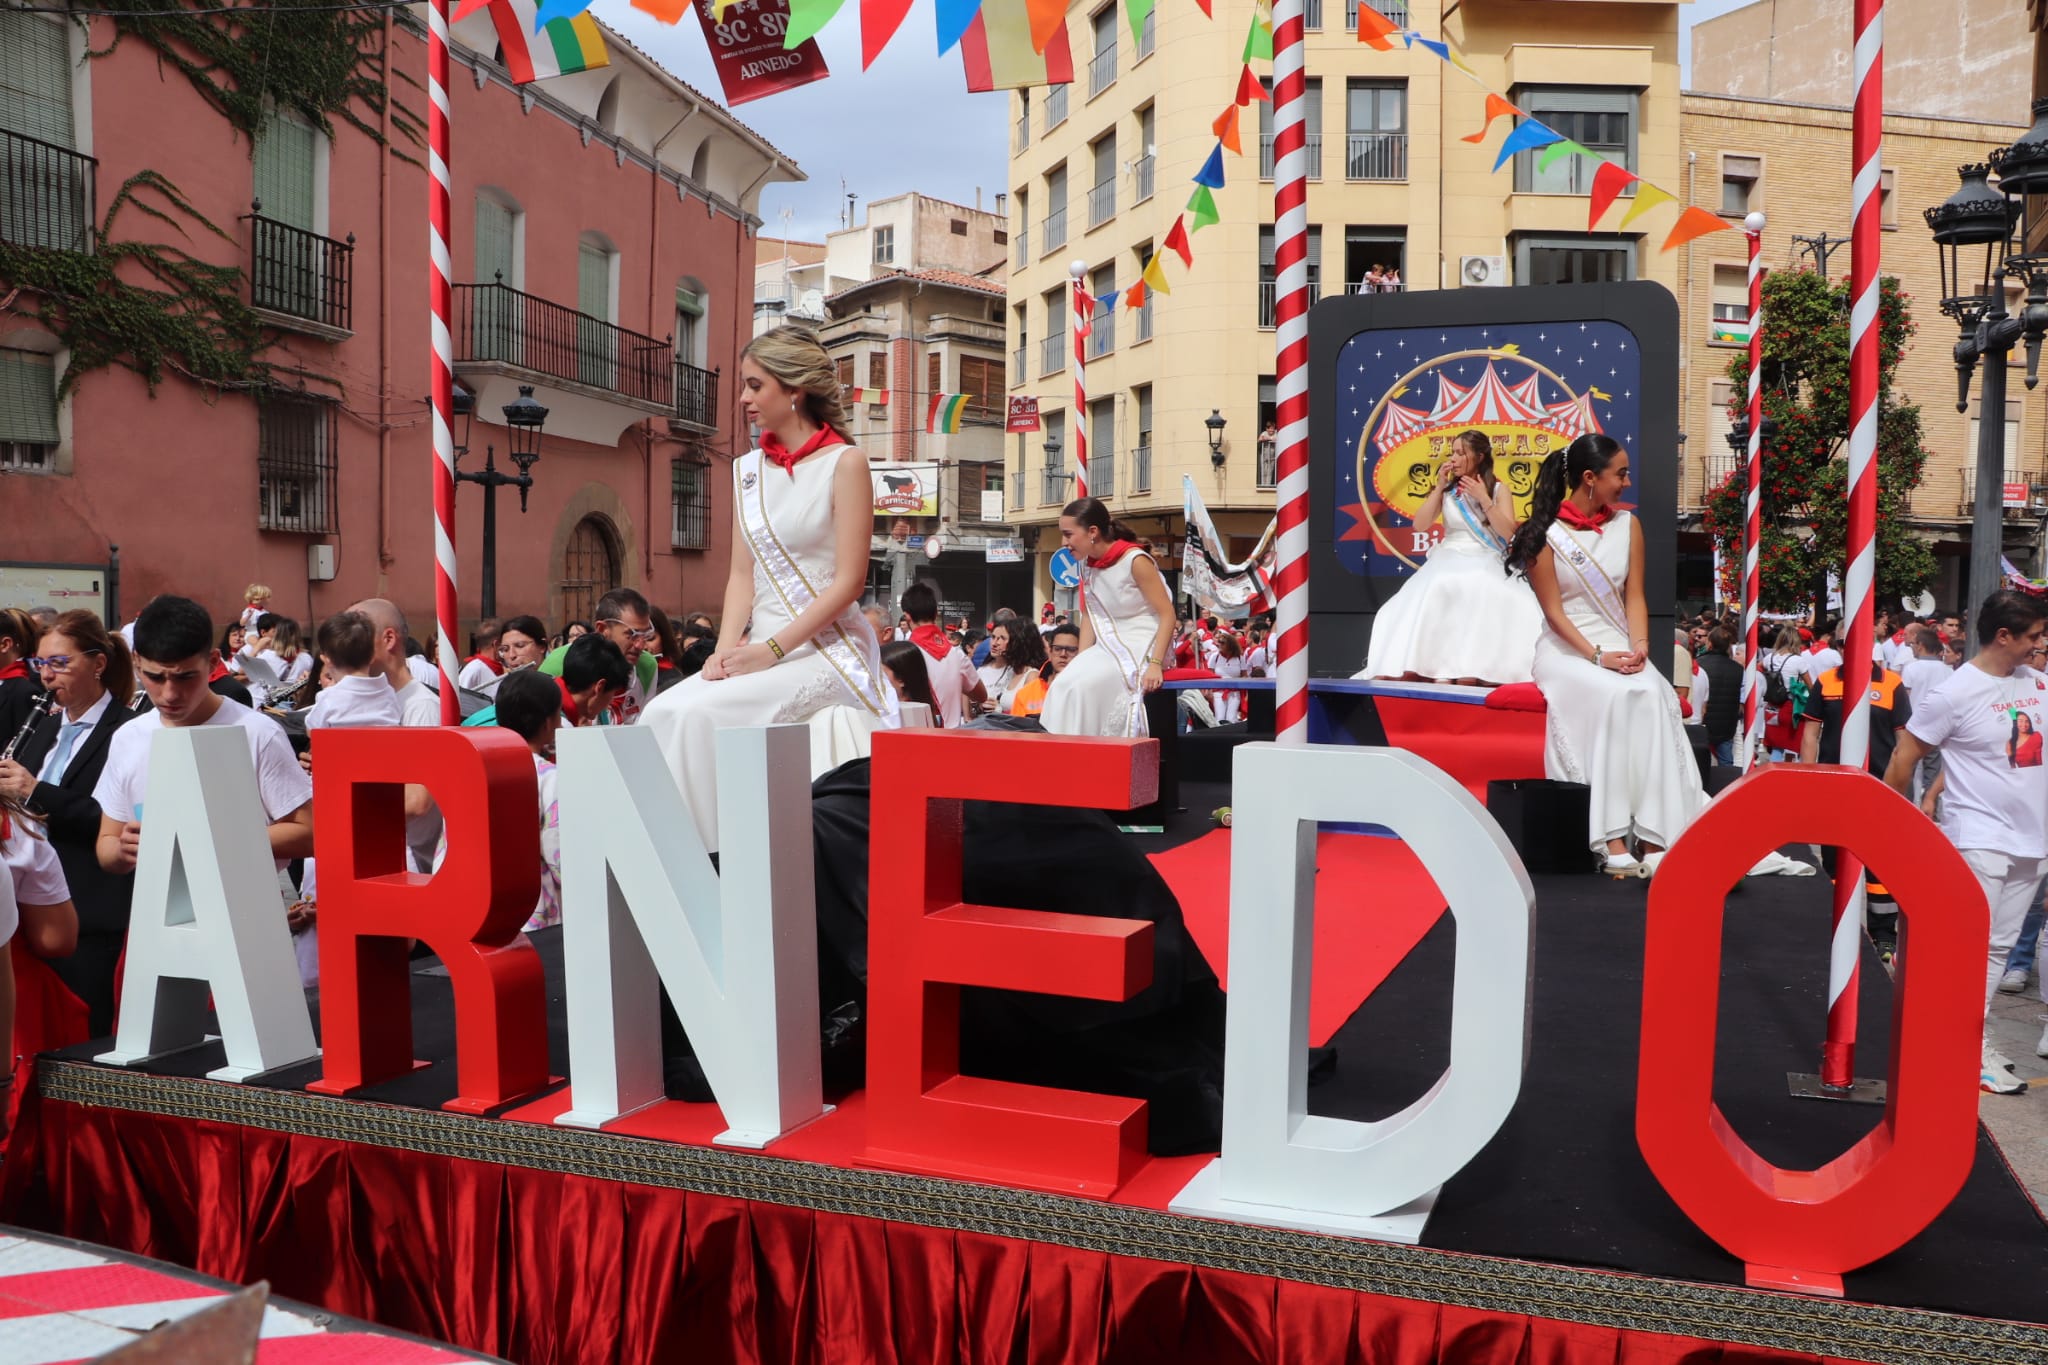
(1823,656)
(174,658)
(955,684)
(1987,721)
(417,705)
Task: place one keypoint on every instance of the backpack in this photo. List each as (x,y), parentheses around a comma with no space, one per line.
(1776,693)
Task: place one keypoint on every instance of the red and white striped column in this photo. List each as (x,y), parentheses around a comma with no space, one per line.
(1866,137)
(440,297)
(1084,323)
(1290,259)
(1753,524)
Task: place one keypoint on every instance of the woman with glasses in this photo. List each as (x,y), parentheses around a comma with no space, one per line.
(53,773)
(803,520)
(1127,626)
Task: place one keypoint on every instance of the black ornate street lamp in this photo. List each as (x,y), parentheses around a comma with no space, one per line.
(524,420)
(1215,421)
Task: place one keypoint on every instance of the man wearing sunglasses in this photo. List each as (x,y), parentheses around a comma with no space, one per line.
(622,617)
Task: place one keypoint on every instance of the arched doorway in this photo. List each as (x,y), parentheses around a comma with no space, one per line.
(590,567)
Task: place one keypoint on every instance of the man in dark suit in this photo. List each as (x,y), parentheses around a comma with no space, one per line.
(54,770)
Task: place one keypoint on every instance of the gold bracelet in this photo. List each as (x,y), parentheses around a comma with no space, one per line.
(775,649)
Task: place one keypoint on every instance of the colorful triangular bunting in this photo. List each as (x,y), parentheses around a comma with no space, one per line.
(1177,242)
(1137,10)
(1374,28)
(1648,196)
(879,20)
(1527,136)
(1203,205)
(1557,151)
(1608,182)
(1211,174)
(1155,275)
(1226,129)
(1250,87)
(806,18)
(1496,107)
(1695,222)
(953,18)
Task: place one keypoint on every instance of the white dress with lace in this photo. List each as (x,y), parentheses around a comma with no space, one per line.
(1460,616)
(834,680)
(1618,733)
(1102,693)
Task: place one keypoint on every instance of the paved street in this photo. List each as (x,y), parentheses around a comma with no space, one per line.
(2020,1122)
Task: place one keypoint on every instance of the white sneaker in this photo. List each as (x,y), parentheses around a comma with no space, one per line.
(2041,1048)
(1776,864)
(1997,1077)
(2013,982)
(1622,867)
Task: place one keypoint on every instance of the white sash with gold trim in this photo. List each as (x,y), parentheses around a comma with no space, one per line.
(794,588)
(1128,663)
(1575,559)
(1478,525)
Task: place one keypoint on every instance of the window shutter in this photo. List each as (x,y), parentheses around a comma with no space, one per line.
(284,171)
(688,301)
(35,77)
(494,243)
(593,281)
(934,375)
(28,398)
(878,370)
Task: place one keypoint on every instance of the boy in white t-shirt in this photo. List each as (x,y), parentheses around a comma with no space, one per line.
(955,684)
(357,698)
(1987,721)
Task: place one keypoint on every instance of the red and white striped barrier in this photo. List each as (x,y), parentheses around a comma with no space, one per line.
(1753,523)
(440,296)
(1290,257)
(1084,324)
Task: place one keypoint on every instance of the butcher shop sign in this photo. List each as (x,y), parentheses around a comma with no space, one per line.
(906,490)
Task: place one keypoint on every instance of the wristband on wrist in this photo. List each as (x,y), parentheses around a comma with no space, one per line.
(1596,656)
(775,649)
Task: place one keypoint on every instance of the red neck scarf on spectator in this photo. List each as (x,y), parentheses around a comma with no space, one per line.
(785,458)
(929,638)
(220,668)
(571,712)
(17,669)
(1579,521)
(489,662)
(1116,550)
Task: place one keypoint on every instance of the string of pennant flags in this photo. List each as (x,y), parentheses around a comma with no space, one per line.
(944,413)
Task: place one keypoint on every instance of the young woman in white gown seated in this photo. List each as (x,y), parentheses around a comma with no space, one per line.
(1127,627)
(803,512)
(1460,619)
(1613,719)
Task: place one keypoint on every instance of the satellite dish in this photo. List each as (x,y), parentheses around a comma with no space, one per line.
(1923,605)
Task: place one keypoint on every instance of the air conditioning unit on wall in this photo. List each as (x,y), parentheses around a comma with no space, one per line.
(1479,272)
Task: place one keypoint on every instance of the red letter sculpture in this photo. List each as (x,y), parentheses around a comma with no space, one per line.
(1803,1229)
(470,912)
(925,944)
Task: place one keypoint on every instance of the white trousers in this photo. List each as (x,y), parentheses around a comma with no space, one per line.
(2010,885)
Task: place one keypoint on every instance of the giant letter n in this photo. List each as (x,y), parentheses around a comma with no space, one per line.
(737,948)
(925,944)
(207,916)
(469,911)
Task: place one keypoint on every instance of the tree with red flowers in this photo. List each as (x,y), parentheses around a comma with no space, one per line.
(1805,447)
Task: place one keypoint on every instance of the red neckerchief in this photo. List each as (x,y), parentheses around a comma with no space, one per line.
(929,638)
(497,669)
(1116,551)
(785,458)
(570,710)
(17,669)
(1579,521)
(220,668)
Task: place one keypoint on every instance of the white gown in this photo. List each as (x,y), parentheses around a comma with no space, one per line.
(1461,616)
(1618,733)
(1102,693)
(786,520)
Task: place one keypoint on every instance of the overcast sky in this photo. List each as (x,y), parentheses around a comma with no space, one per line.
(907,123)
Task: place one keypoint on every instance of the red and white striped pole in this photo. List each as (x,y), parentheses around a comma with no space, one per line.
(1837,1065)
(440,297)
(1753,525)
(1290,259)
(1084,323)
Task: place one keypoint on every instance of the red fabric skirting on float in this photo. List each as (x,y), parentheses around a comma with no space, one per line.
(542,1266)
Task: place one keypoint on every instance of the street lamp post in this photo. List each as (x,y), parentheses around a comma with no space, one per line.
(1215,422)
(524,420)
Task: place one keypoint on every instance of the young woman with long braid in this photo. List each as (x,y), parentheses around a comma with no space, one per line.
(1613,720)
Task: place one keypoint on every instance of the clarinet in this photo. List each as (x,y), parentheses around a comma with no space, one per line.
(37,713)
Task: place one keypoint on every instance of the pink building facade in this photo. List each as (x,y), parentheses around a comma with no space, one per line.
(602,252)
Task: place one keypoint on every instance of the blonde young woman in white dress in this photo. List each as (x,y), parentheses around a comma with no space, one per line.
(1127,630)
(1459,619)
(803,513)
(1613,720)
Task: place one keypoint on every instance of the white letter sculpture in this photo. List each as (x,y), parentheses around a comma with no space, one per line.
(208,917)
(737,948)
(1281,1165)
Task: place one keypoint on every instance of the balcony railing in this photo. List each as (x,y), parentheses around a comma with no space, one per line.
(1143,321)
(1312,146)
(495,322)
(1101,71)
(1396,11)
(1052,233)
(1312,14)
(1055,106)
(1101,474)
(696,398)
(1269,464)
(1102,334)
(2012,476)
(1052,488)
(1019,376)
(1023,246)
(46,194)
(1101,203)
(1268,294)
(301,274)
(1142,174)
(1052,353)
(1024,132)
(1376,156)
(1148,36)
(1141,469)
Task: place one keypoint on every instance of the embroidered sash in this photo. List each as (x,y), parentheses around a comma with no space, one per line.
(794,589)
(1598,588)
(1477,524)
(1127,661)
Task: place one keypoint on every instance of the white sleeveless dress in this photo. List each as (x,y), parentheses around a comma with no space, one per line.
(1460,616)
(1102,693)
(833,680)
(1618,733)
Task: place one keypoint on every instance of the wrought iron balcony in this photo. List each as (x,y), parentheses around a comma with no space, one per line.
(696,399)
(1141,469)
(1269,291)
(497,324)
(1396,11)
(46,194)
(301,275)
(1376,156)
(1052,490)
(1269,464)
(1023,246)
(1018,375)
(1101,334)
(1102,474)
(1055,106)
(1311,146)
(1144,319)
(1052,233)
(1101,203)
(1102,71)
(1052,354)
(1142,174)
(1024,131)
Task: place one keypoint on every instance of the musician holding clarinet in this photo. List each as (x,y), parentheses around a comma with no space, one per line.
(50,767)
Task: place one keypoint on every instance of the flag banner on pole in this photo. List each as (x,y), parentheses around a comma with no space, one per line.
(997,54)
(562,47)
(944,414)
(877,396)
(1207,578)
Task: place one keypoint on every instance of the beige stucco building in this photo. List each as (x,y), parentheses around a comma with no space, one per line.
(1100,169)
